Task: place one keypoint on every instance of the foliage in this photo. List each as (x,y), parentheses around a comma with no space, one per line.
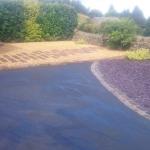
(30,21)
(55,1)
(86,24)
(112,12)
(120,33)
(147,28)
(32,29)
(90,27)
(79,7)
(82,19)
(11,20)
(138,17)
(57,21)
(125,14)
(95,13)
(139,54)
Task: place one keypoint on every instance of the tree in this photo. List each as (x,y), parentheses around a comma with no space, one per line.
(126,14)
(55,1)
(79,7)
(112,12)
(147,28)
(138,17)
(95,13)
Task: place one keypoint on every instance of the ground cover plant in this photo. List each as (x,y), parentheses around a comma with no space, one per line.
(139,54)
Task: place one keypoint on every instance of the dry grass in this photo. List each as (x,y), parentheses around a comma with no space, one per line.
(69,47)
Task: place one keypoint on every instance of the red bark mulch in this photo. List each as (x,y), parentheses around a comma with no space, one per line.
(131,77)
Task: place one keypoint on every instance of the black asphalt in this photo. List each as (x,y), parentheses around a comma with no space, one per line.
(65,108)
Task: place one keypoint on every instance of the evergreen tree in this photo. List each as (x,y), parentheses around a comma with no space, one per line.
(147,28)
(126,14)
(79,7)
(112,12)
(95,13)
(138,17)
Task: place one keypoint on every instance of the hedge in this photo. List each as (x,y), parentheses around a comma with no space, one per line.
(57,21)
(12,20)
(31,21)
(32,30)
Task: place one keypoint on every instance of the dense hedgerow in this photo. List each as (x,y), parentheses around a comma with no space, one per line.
(30,21)
(12,20)
(32,30)
(57,21)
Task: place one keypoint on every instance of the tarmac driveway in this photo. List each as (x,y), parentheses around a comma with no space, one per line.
(65,108)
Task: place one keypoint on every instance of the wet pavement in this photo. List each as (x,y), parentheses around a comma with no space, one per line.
(65,108)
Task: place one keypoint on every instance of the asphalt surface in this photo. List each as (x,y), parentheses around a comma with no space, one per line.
(65,108)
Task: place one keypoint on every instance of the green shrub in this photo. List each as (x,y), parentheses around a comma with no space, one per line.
(89,26)
(82,19)
(140,54)
(57,21)
(119,33)
(11,20)
(32,29)
(30,21)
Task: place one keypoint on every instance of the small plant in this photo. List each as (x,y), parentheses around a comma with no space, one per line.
(139,54)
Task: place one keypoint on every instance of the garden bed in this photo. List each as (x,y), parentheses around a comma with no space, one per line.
(131,78)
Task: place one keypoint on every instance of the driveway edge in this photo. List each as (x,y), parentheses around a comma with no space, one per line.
(116,92)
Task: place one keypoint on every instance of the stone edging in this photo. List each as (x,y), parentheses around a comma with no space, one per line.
(117,93)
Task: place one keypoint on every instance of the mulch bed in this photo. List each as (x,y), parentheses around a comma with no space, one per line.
(131,77)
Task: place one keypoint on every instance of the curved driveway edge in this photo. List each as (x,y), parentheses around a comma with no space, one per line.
(116,92)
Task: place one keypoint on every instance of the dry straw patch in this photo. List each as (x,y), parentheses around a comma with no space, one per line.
(54,53)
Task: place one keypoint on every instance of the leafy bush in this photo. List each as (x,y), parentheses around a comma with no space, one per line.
(82,19)
(89,26)
(11,20)
(57,21)
(140,54)
(32,29)
(30,21)
(120,34)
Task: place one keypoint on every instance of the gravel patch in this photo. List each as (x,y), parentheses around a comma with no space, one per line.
(130,77)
